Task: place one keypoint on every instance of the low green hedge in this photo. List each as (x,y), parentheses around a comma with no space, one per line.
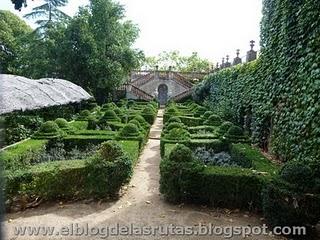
(79,125)
(283,205)
(22,154)
(97,177)
(229,187)
(191,121)
(197,129)
(83,141)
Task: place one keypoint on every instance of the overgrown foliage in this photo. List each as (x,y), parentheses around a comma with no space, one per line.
(276,96)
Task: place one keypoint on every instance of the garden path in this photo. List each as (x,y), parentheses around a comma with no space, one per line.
(140,204)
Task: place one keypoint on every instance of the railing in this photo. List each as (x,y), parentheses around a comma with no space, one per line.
(182,95)
(138,92)
(182,80)
(143,79)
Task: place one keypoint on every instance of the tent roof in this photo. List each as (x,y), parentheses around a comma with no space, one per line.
(20,93)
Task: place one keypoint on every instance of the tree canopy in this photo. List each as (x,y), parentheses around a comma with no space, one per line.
(92,49)
(178,62)
(13,32)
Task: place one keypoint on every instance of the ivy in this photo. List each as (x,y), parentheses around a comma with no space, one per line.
(276,98)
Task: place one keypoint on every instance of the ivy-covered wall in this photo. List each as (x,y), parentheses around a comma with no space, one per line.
(277,97)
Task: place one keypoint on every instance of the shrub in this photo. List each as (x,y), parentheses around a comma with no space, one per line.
(129,130)
(298,174)
(206,115)
(225,126)
(180,153)
(200,111)
(284,206)
(191,121)
(108,106)
(174,119)
(177,134)
(235,134)
(135,122)
(211,158)
(178,181)
(108,170)
(16,134)
(48,130)
(84,114)
(174,125)
(93,123)
(172,110)
(29,122)
(148,114)
(110,116)
(63,125)
(142,121)
(213,120)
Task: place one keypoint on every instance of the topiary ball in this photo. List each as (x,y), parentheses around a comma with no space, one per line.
(135,122)
(172,110)
(141,120)
(225,126)
(178,134)
(85,113)
(206,115)
(200,111)
(235,131)
(129,130)
(174,125)
(108,106)
(48,130)
(49,127)
(174,119)
(148,114)
(181,153)
(62,123)
(110,151)
(297,173)
(110,116)
(93,123)
(213,120)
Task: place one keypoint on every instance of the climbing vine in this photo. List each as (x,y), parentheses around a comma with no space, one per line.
(276,98)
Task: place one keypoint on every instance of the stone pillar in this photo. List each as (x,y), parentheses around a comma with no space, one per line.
(237,60)
(251,55)
(217,67)
(156,72)
(170,73)
(227,64)
(222,66)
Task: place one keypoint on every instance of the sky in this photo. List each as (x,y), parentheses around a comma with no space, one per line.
(213,28)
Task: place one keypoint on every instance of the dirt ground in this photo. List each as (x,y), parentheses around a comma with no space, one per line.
(141,204)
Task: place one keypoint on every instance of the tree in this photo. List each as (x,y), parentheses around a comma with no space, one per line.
(13,36)
(97,52)
(178,62)
(49,11)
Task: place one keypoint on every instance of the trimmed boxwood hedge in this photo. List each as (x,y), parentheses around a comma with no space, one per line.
(229,187)
(79,178)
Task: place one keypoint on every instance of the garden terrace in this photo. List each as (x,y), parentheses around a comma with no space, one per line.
(229,172)
(62,153)
(208,160)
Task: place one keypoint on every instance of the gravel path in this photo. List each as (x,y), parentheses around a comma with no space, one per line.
(140,204)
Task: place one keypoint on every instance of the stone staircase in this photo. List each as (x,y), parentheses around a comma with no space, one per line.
(141,82)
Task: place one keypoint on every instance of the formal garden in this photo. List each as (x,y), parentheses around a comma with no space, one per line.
(209,160)
(91,124)
(91,153)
